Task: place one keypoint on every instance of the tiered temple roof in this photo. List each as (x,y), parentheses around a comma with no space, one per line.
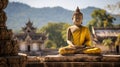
(102,33)
(30,31)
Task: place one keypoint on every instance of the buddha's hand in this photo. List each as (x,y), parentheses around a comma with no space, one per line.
(72,46)
(78,47)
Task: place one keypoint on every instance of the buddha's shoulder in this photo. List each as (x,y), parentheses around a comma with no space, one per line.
(71,27)
(84,27)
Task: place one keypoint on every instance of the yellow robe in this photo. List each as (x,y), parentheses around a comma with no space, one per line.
(80,37)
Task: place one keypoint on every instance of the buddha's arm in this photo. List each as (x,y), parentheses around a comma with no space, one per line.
(87,38)
(69,37)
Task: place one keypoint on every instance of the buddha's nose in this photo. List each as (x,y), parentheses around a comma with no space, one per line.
(77,19)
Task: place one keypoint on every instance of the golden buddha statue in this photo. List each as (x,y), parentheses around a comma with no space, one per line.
(78,38)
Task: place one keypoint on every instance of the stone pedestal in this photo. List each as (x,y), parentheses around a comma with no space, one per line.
(78,60)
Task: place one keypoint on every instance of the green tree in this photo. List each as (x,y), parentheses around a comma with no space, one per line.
(50,44)
(108,42)
(56,33)
(100,18)
(64,31)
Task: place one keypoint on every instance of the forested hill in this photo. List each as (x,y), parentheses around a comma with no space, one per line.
(18,14)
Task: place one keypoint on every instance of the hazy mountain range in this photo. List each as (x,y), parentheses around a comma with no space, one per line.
(18,14)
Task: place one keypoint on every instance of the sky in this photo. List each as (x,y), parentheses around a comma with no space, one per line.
(67,4)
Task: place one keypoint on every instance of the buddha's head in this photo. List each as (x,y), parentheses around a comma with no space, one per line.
(77,17)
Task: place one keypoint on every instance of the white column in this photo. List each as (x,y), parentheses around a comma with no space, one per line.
(23,46)
(34,47)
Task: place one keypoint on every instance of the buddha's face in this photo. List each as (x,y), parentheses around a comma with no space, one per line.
(77,19)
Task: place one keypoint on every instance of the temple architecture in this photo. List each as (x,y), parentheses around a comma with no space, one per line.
(29,40)
(103,33)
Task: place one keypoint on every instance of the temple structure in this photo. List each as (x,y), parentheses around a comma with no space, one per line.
(29,40)
(103,33)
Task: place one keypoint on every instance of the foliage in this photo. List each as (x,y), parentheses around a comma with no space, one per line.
(108,42)
(50,44)
(100,18)
(56,33)
(64,31)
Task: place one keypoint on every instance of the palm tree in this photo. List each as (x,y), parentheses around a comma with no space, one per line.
(108,42)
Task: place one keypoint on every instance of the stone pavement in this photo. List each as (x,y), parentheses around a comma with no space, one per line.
(77,60)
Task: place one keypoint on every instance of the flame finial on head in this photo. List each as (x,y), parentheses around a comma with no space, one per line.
(77,11)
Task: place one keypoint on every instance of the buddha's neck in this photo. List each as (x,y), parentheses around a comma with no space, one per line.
(79,25)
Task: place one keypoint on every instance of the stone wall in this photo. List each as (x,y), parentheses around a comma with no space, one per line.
(8,47)
(13,61)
